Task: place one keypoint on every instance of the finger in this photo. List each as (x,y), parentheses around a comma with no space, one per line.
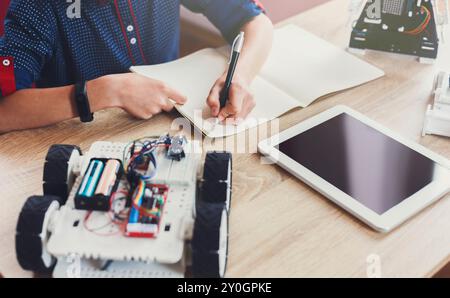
(138,113)
(155,110)
(223,114)
(248,106)
(240,117)
(144,116)
(167,105)
(234,104)
(213,99)
(232,121)
(175,95)
(230,110)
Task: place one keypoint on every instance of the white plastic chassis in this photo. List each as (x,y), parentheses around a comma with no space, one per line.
(437,116)
(81,252)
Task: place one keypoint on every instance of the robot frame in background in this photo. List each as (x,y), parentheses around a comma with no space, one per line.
(397,26)
(143,209)
(437,116)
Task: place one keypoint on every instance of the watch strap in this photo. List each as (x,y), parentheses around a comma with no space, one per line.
(82,102)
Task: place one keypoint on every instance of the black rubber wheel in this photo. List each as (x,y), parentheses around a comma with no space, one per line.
(31,236)
(216,186)
(56,171)
(210,240)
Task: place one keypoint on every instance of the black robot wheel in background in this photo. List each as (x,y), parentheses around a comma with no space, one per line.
(210,240)
(31,234)
(56,178)
(210,236)
(216,186)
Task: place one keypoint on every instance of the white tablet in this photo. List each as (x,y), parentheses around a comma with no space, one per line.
(376,175)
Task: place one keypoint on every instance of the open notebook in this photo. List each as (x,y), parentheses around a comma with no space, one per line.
(301,68)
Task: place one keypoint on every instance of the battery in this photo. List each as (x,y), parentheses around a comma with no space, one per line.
(91,178)
(99,184)
(109,178)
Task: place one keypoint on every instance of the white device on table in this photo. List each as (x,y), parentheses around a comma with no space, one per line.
(437,116)
(442,15)
(373,173)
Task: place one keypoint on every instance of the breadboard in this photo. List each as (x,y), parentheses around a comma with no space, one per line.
(83,268)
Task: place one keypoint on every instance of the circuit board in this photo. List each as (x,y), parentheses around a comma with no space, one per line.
(397,26)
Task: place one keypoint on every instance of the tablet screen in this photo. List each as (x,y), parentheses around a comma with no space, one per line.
(364,163)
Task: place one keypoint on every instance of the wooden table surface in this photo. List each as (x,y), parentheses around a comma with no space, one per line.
(279,227)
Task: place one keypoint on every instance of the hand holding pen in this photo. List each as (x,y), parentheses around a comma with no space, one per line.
(230,98)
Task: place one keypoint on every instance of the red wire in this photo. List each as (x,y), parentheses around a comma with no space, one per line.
(419,29)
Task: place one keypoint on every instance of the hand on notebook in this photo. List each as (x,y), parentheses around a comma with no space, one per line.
(144,97)
(240,103)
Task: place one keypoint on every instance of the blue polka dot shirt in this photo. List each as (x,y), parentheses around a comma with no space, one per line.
(50,43)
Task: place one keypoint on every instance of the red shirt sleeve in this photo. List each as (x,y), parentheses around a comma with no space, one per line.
(26,46)
(7,77)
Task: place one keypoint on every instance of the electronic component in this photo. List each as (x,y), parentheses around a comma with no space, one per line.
(176,148)
(146,210)
(398,26)
(394,7)
(140,157)
(99,184)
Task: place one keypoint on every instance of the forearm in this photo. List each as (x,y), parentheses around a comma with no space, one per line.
(33,108)
(257,46)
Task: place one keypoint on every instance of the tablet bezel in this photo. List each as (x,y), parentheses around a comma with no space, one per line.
(384,222)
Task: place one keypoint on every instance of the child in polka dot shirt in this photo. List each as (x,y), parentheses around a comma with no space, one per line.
(49,46)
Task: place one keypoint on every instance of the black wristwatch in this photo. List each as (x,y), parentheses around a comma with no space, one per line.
(82,102)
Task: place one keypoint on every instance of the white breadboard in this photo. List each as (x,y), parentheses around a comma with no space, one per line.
(71,267)
(70,237)
(437,116)
(169,171)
